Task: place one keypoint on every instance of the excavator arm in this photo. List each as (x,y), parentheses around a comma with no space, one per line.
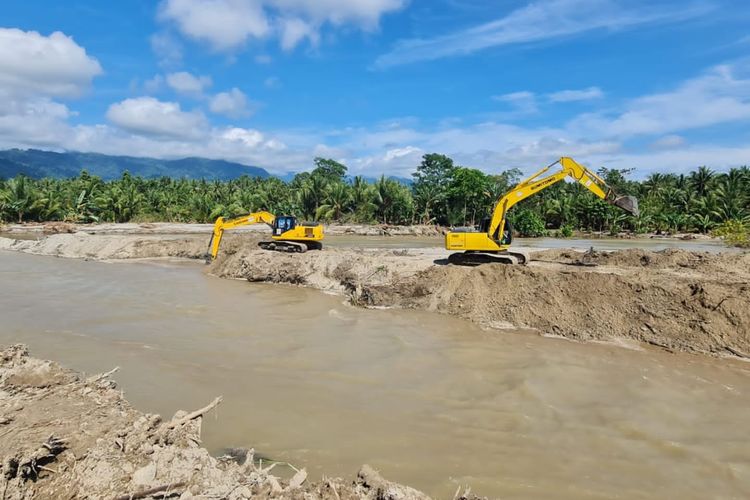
(492,241)
(222,224)
(540,181)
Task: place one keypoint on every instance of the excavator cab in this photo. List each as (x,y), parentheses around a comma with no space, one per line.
(283,224)
(507,236)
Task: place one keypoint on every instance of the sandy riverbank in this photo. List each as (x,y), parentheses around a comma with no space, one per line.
(63,435)
(176,228)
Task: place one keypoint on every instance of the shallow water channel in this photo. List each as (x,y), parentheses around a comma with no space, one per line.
(430,401)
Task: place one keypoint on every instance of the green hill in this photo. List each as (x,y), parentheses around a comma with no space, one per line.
(37,164)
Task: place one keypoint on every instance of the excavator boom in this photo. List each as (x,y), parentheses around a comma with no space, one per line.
(538,182)
(495,237)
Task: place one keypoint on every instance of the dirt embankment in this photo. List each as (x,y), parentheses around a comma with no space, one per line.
(162,228)
(675,299)
(105,247)
(65,436)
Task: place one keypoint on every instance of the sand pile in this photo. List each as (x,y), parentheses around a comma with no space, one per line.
(81,245)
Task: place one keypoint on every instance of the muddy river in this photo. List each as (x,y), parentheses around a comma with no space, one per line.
(431,401)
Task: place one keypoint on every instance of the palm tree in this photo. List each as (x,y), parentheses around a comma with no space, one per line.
(362,199)
(310,196)
(702,223)
(335,202)
(655,184)
(562,209)
(701,180)
(426,197)
(19,196)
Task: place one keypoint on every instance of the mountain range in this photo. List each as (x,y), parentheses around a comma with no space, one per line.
(37,163)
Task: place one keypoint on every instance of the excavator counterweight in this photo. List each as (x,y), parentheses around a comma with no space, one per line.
(491,242)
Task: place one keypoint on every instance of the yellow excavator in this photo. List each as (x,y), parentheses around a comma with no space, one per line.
(490,242)
(287,235)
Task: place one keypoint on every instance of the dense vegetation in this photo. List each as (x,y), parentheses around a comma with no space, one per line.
(442,193)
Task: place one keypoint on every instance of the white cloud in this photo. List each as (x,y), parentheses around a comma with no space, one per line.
(247,146)
(37,122)
(522,102)
(228,24)
(151,117)
(167,49)
(680,160)
(153,85)
(34,71)
(393,154)
(541,20)
(364,13)
(576,95)
(187,83)
(233,104)
(54,65)
(272,82)
(247,137)
(224,24)
(263,59)
(720,95)
(613,137)
(669,142)
(294,30)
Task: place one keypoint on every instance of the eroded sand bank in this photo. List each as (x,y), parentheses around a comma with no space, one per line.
(63,435)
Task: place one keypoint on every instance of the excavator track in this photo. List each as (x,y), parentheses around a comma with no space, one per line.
(283,246)
(479,258)
(290,246)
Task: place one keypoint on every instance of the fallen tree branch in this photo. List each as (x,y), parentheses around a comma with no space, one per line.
(333,487)
(195,414)
(150,491)
(97,378)
(737,353)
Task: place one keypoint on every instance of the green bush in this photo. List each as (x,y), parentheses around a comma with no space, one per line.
(566,231)
(529,224)
(735,233)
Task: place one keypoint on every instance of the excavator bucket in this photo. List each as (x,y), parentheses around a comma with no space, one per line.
(627,203)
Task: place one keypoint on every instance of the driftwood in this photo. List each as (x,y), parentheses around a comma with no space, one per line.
(297,480)
(333,487)
(150,491)
(97,378)
(197,413)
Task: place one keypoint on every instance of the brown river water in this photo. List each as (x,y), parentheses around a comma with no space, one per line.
(430,401)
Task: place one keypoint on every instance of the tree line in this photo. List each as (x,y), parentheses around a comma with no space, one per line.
(441,193)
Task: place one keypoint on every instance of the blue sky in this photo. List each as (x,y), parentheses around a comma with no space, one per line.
(651,85)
